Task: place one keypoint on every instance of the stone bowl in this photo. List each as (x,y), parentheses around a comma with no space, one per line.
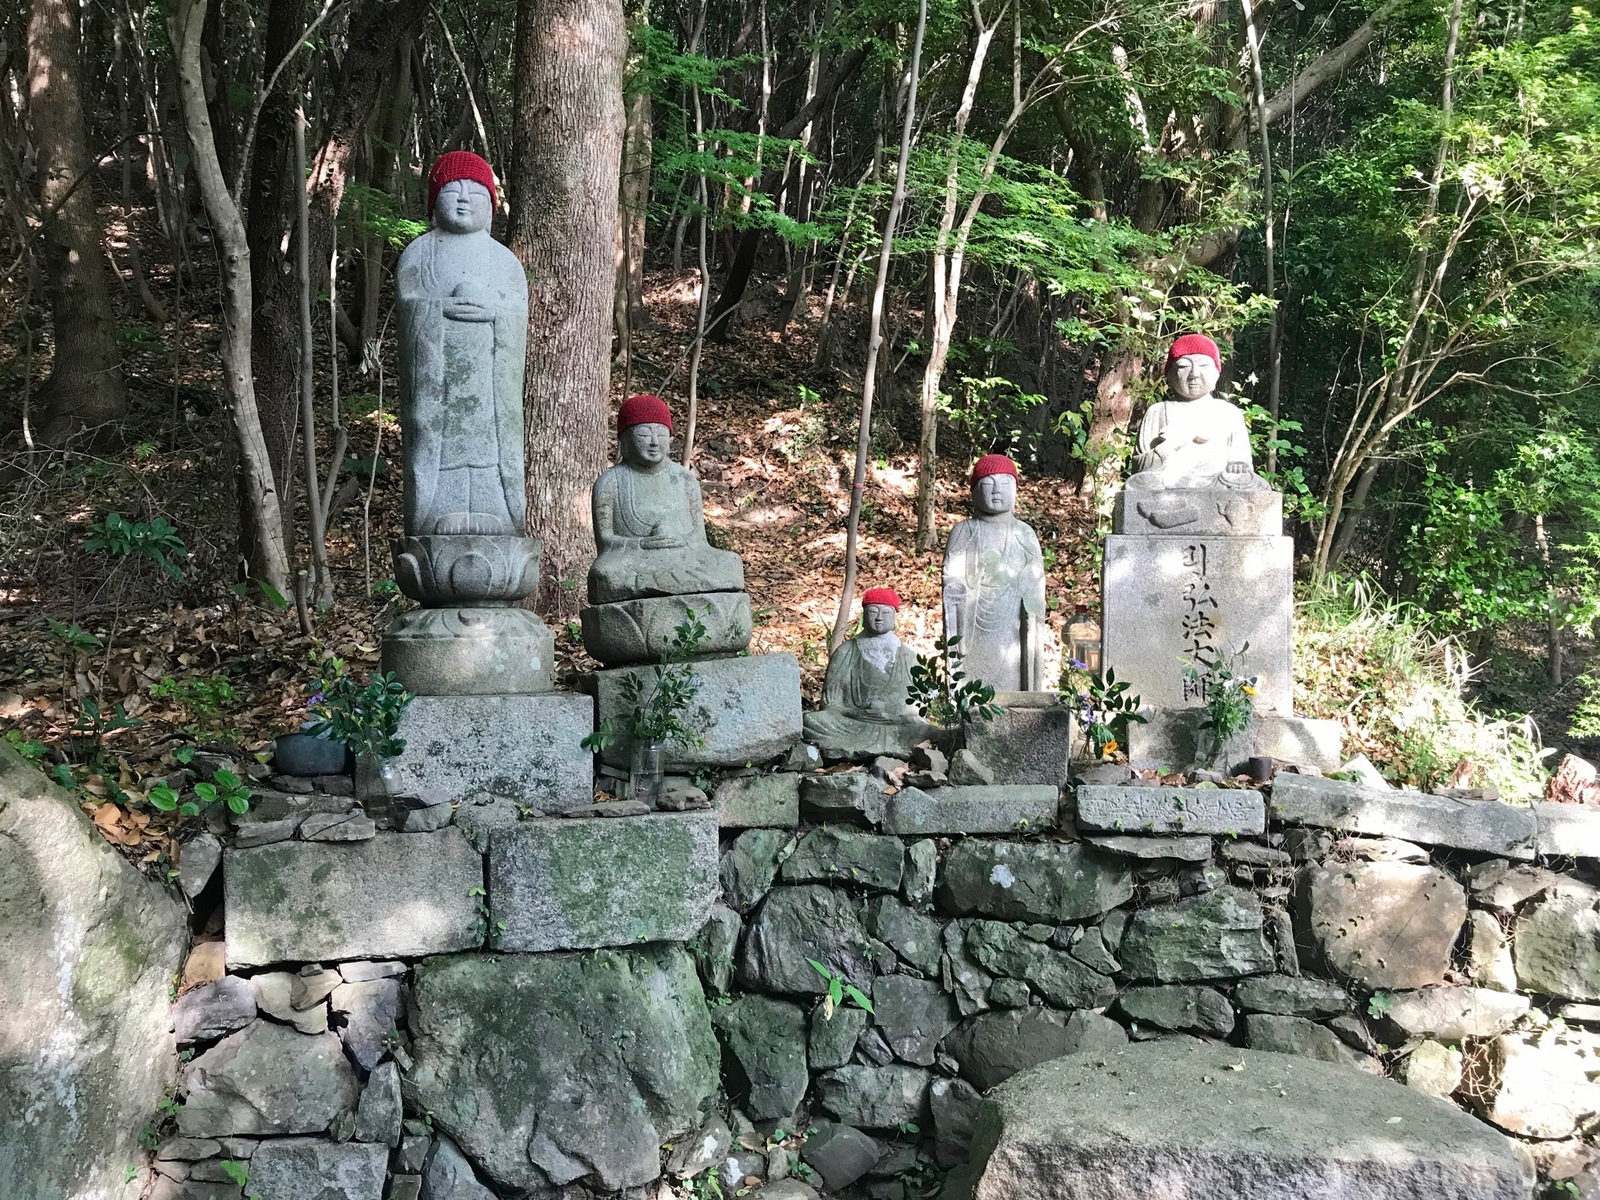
(467,568)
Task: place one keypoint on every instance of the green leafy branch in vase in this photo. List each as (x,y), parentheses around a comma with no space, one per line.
(941,692)
(658,700)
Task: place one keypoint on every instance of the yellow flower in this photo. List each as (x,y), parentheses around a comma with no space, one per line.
(1108,749)
(1248,690)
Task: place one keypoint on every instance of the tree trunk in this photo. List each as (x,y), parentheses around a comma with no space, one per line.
(564,178)
(635,202)
(85,389)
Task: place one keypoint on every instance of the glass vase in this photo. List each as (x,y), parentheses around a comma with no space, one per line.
(647,774)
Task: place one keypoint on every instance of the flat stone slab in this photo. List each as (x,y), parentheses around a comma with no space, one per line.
(526,749)
(1171,810)
(1030,741)
(758,801)
(747,711)
(1171,739)
(996,808)
(1185,1120)
(1507,830)
(570,883)
(1568,830)
(397,895)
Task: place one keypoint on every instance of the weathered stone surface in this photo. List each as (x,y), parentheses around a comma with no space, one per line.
(1171,810)
(844,796)
(914,936)
(840,1154)
(513,1053)
(993,591)
(371,1012)
(1014,808)
(312,1169)
(641,630)
(1171,738)
(378,1115)
(1212,936)
(992,1047)
(750,866)
(913,1015)
(267,1079)
(450,1176)
(1537,1085)
(1296,1035)
(1504,888)
(214,1011)
(1489,962)
(571,884)
(701,1151)
(1107,1125)
(1568,830)
(458,652)
(1380,925)
(88,952)
(831,1039)
(274,991)
(1556,943)
(768,1039)
(747,710)
(198,862)
(1055,974)
(875,1097)
(352,826)
(1292,996)
(1432,1069)
(1030,742)
(714,947)
(1454,1013)
(1179,1007)
(1045,881)
(954,1104)
(759,801)
(1179,849)
(1487,825)
(839,854)
(523,748)
(798,923)
(398,894)
(922,865)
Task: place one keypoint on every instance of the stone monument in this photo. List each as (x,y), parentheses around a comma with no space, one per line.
(864,709)
(994,585)
(1197,566)
(479,665)
(653,568)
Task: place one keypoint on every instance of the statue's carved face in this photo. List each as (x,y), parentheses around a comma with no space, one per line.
(878,618)
(994,494)
(462,206)
(1192,376)
(646,445)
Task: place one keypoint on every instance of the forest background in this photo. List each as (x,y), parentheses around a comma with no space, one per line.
(1387,213)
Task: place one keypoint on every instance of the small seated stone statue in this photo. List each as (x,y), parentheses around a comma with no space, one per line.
(1195,439)
(864,711)
(994,585)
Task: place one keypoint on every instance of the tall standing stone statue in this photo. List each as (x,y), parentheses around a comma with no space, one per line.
(994,585)
(864,710)
(1196,569)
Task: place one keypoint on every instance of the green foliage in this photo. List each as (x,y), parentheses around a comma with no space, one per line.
(839,991)
(164,798)
(237,1171)
(94,724)
(377,214)
(941,692)
(73,637)
(1105,708)
(658,702)
(202,695)
(227,788)
(154,540)
(25,746)
(365,718)
(1228,697)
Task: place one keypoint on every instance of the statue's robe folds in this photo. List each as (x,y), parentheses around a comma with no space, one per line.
(864,708)
(461,386)
(635,506)
(994,599)
(1190,444)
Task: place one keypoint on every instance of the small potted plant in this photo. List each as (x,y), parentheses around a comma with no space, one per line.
(1105,710)
(1227,710)
(366,720)
(658,701)
(943,695)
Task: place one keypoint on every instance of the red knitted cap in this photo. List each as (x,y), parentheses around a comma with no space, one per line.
(1194,343)
(993,464)
(882,596)
(643,410)
(460,164)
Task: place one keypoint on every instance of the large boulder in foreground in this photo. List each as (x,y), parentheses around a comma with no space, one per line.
(88,950)
(1183,1120)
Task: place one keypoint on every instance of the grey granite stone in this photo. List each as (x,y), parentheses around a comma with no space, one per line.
(876,1097)
(759,801)
(1490,826)
(1171,810)
(767,1037)
(1212,936)
(267,1079)
(993,591)
(641,630)
(312,1169)
(992,1047)
(913,1015)
(998,808)
(1171,739)
(378,1115)
(811,921)
(1556,943)
(844,796)
(1177,849)
(1038,881)
(865,711)
(750,865)
(1379,925)
(1565,830)
(214,1010)
(458,652)
(839,854)
(1292,996)
(371,1014)
(1029,742)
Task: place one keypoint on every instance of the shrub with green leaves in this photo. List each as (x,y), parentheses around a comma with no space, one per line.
(658,701)
(941,692)
(156,541)
(366,717)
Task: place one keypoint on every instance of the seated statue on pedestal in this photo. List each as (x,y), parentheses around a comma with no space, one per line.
(1196,439)
(994,585)
(864,708)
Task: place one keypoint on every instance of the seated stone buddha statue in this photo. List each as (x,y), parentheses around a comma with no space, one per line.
(864,708)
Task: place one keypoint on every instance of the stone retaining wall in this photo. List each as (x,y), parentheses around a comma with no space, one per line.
(386,1014)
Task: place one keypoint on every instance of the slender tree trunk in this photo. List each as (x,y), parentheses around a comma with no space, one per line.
(1263,127)
(270,561)
(85,388)
(567,141)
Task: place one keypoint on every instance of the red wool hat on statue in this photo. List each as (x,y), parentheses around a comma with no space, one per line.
(643,410)
(460,164)
(1194,343)
(993,464)
(882,596)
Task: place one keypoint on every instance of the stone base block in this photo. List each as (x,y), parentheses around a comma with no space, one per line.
(999,808)
(1190,512)
(398,895)
(1214,811)
(1030,742)
(747,711)
(1172,738)
(1488,826)
(520,748)
(759,801)
(470,652)
(580,883)
(850,740)
(639,631)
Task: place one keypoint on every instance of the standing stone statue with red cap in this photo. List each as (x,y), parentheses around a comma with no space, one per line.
(1195,439)
(994,585)
(864,711)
